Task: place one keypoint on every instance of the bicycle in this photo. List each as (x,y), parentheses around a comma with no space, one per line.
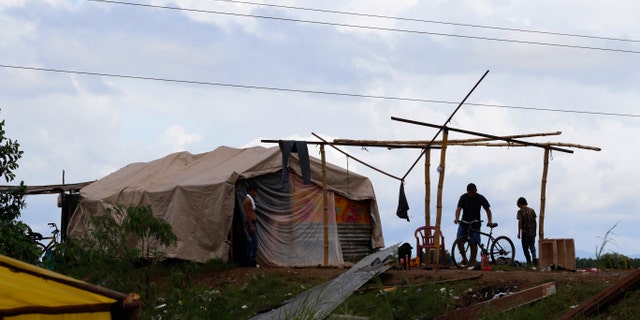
(501,249)
(48,256)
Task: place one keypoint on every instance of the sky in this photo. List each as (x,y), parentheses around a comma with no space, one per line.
(89,86)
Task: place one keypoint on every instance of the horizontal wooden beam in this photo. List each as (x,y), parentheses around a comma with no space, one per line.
(606,296)
(482,135)
(502,304)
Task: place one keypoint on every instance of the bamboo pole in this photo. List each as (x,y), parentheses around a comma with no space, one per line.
(421,143)
(427,198)
(354,158)
(482,135)
(427,185)
(543,192)
(550,144)
(325,205)
(436,235)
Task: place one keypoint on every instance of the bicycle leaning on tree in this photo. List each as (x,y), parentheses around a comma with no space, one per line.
(500,249)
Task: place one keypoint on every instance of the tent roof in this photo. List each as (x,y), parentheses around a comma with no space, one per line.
(27,289)
(220,166)
(195,193)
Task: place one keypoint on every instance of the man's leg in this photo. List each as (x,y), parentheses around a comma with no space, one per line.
(474,251)
(475,240)
(525,249)
(462,234)
(532,247)
(461,244)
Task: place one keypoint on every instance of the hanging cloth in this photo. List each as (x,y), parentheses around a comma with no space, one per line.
(403,205)
(299,147)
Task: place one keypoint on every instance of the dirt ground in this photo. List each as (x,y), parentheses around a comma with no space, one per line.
(485,284)
(516,279)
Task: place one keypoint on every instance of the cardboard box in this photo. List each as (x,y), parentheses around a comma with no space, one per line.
(557,252)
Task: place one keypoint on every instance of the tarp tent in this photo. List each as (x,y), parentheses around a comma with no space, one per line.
(30,292)
(200,196)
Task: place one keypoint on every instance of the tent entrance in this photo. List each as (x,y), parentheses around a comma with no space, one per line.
(291,226)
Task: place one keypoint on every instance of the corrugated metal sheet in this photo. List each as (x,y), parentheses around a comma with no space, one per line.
(319,302)
(355,240)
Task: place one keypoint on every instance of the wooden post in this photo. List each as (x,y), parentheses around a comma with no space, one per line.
(443,153)
(427,185)
(543,193)
(325,206)
(427,198)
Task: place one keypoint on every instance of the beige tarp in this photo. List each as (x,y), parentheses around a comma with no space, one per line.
(196,194)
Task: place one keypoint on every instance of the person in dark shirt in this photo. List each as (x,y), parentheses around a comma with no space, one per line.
(527,230)
(469,204)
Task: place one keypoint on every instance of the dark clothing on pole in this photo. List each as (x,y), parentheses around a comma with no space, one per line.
(299,147)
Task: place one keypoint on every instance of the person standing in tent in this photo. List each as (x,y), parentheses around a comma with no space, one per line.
(249,205)
(527,226)
(470,204)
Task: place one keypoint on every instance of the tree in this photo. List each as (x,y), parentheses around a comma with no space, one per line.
(14,241)
(108,255)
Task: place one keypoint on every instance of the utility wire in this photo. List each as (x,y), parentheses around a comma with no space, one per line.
(539,43)
(344,94)
(370,15)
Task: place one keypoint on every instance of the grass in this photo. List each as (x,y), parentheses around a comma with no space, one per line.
(189,290)
(184,297)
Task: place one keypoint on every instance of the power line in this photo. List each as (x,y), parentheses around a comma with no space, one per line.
(370,15)
(539,43)
(344,94)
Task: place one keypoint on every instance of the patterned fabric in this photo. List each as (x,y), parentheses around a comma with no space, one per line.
(528,218)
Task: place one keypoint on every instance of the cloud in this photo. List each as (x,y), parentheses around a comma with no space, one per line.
(229,80)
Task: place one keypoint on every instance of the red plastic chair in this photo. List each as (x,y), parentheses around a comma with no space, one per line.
(425,239)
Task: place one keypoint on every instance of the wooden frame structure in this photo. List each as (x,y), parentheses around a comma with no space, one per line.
(508,141)
(426,146)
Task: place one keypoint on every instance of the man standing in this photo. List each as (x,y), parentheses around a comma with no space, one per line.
(249,206)
(470,204)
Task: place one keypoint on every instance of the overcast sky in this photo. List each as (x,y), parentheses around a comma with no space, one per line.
(90,86)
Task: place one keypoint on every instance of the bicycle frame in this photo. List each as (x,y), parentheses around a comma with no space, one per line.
(53,239)
(500,249)
(489,235)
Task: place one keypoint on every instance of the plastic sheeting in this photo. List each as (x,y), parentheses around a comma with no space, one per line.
(291,223)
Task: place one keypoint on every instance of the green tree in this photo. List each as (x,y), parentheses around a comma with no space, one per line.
(107,255)
(14,241)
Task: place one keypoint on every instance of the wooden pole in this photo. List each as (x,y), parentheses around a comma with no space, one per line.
(543,192)
(421,143)
(325,206)
(352,157)
(526,143)
(436,235)
(427,185)
(427,198)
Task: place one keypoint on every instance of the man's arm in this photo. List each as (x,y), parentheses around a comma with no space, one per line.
(457,216)
(488,210)
(251,215)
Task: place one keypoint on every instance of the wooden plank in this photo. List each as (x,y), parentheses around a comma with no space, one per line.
(606,296)
(502,304)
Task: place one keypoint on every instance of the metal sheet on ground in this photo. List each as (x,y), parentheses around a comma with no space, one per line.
(319,302)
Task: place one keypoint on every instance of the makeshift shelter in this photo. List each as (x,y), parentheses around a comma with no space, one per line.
(200,195)
(30,292)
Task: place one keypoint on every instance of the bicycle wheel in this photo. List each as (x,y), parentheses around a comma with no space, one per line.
(460,258)
(502,251)
(52,258)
